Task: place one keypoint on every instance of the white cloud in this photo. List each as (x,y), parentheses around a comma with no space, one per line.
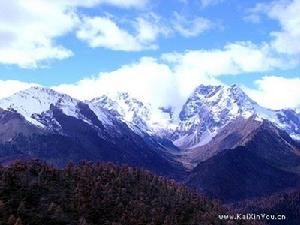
(288,39)
(28,33)
(147,79)
(206,3)
(150,27)
(29,29)
(117,3)
(252,18)
(105,32)
(276,92)
(286,12)
(234,58)
(172,78)
(205,66)
(9,87)
(191,27)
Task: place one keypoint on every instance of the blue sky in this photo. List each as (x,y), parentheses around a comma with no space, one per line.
(86,48)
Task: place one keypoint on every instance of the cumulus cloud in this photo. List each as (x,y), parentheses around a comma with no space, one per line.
(29,29)
(150,27)
(147,79)
(117,3)
(206,66)
(105,32)
(287,39)
(276,92)
(28,36)
(9,87)
(234,58)
(170,79)
(173,77)
(191,27)
(206,3)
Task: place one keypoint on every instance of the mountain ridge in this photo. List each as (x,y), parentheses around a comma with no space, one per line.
(219,131)
(207,111)
(81,135)
(266,162)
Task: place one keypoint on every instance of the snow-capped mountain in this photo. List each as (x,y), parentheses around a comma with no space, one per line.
(38,105)
(206,111)
(35,105)
(44,124)
(218,131)
(33,102)
(140,117)
(128,110)
(210,108)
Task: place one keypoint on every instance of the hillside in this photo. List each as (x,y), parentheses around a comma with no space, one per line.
(260,160)
(92,194)
(237,174)
(232,135)
(262,137)
(78,140)
(287,204)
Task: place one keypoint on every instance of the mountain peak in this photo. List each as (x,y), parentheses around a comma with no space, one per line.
(205,90)
(126,108)
(239,95)
(210,108)
(38,90)
(219,93)
(235,86)
(37,100)
(205,98)
(123,95)
(206,111)
(236,89)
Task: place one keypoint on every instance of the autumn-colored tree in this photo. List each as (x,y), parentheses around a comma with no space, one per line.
(18,221)
(34,193)
(11,220)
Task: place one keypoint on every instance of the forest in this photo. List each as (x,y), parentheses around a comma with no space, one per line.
(34,193)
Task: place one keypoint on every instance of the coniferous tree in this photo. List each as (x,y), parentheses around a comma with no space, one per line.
(93,194)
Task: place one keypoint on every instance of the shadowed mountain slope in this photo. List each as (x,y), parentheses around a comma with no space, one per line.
(76,139)
(238,174)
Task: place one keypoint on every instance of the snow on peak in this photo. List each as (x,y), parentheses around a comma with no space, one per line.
(37,100)
(141,117)
(217,101)
(206,90)
(129,110)
(210,108)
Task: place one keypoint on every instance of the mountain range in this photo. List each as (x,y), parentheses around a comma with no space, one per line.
(219,132)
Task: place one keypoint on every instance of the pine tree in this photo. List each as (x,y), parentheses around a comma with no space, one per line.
(18,222)
(82,221)
(11,220)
